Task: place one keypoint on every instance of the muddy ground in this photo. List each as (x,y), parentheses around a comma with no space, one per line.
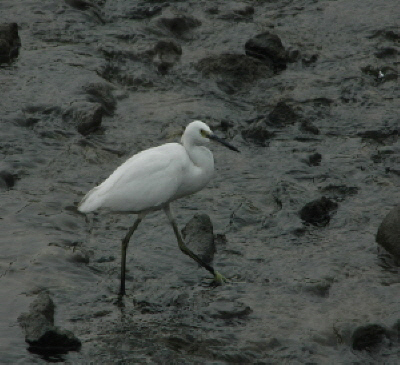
(95,82)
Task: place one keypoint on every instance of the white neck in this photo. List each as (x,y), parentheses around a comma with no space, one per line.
(201,156)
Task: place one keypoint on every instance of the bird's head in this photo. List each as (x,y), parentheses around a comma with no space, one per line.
(199,133)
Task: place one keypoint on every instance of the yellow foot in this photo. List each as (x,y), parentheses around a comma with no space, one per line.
(219,279)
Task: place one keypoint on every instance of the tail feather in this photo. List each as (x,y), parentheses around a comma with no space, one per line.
(90,202)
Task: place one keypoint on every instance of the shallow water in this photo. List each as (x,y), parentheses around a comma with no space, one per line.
(297,292)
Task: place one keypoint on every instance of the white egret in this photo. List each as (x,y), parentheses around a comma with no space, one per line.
(152,179)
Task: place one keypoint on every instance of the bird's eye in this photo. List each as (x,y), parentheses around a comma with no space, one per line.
(203,133)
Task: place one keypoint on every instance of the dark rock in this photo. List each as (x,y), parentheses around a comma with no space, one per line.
(228,310)
(378,135)
(267,47)
(9,42)
(212,10)
(167,48)
(238,12)
(7,180)
(222,125)
(235,70)
(386,34)
(43,305)
(339,192)
(86,116)
(79,257)
(320,288)
(179,26)
(308,127)
(199,237)
(101,93)
(179,343)
(220,239)
(388,235)
(282,115)
(257,134)
(387,52)
(41,334)
(396,331)
(309,60)
(104,259)
(318,212)
(245,11)
(166,54)
(144,11)
(83,5)
(314,159)
(293,54)
(80,4)
(368,337)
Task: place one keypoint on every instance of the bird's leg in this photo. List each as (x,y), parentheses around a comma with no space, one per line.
(124,247)
(218,278)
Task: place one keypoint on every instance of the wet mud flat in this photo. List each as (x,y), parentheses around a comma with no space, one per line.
(307,90)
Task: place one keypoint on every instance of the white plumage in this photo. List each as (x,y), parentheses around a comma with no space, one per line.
(153,178)
(156,176)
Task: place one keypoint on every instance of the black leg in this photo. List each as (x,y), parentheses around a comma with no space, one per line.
(217,276)
(124,247)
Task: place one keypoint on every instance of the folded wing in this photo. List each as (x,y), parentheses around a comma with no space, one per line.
(144,182)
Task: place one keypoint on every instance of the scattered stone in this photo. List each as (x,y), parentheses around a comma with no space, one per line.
(179,26)
(101,93)
(7,180)
(80,4)
(378,135)
(79,257)
(319,288)
(238,12)
(213,10)
(396,331)
(40,333)
(386,34)
(86,116)
(228,310)
(166,54)
(83,5)
(308,127)
(368,337)
(244,11)
(318,212)
(199,237)
(388,235)
(222,125)
(339,192)
(387,52)
(220,239)
(267,47)
(258,134)
(282,115)
(9,42)
(144,11)
(234,69)
(309,60)
(292,54)
(179,343)
(314,159)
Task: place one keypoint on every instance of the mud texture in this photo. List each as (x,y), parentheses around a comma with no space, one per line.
(308,90)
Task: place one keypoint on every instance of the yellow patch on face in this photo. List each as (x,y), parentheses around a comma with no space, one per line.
(204,133)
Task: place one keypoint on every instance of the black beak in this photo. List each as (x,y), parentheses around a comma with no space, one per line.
(226,144)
